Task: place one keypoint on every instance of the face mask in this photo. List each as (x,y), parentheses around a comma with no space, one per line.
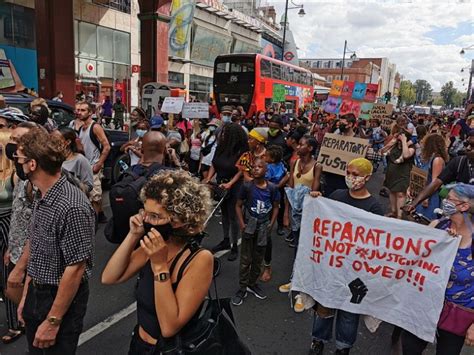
(141,132)
(166,230)
(19,171)
(273,131)
(10,149)
(226,119)
(449,208)
(355,182)
(342,128)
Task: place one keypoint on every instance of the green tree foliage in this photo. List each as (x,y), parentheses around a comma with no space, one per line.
(447,93)
(407,93)
(423,91)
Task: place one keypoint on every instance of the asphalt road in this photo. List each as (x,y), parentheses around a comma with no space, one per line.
(268,326)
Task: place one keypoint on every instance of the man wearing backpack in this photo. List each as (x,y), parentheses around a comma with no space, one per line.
(96,149)
(125,194)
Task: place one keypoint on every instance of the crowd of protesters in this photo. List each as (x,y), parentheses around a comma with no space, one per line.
(264,164)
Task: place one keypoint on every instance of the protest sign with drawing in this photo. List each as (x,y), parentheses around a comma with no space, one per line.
(172,104)
(195,110)
(337,151)
(393,270)
(418,178)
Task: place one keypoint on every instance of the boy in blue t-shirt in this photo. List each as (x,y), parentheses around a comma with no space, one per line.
(257,209)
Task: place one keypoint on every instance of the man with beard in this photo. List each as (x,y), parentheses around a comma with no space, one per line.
(459,169)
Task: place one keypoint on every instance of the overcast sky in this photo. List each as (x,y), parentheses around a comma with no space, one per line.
(422,37)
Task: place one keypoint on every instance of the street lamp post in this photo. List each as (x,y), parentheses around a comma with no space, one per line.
(353,56)
(471,71)
(301,13)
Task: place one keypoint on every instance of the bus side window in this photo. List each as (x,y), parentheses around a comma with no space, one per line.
(265,68)
(276,71)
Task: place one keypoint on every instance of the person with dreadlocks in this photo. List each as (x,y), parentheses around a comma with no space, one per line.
(231,144)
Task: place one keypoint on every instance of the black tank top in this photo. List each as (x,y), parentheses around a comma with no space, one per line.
(146,312)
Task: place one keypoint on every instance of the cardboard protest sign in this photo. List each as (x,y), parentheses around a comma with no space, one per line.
(359,91)
(365,109)
(381,111)
(333,104)
(196,110)
(336,88)
(347,89)
(387,123)
(172,104)
(371,92)
(279,93)
(393,270)
(418,178)
(337,151)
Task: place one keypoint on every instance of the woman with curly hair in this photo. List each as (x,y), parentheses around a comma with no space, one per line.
(232,142)
(174,275)
(433,158)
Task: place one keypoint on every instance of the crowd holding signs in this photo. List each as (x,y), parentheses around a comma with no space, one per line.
(363,263)
(177,105)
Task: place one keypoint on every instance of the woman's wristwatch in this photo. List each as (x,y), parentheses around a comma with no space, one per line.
(162,277)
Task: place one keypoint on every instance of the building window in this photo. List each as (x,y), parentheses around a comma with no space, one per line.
(87,40)
(346,77)
(177,78)
(337,77)
(119,5)
(329,78)
(200,87)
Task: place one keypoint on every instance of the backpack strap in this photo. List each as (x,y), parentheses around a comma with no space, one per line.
(176,259)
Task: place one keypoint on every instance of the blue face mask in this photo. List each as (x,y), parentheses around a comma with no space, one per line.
(448,207)
(141,132)
(226,119)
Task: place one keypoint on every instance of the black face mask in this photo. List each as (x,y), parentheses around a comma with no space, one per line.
(10,149)
(342,128)
(166,230)
(19,171)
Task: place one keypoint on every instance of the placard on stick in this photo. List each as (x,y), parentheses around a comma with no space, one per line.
(172,104)
(195,110)
(418,178)
(337,151)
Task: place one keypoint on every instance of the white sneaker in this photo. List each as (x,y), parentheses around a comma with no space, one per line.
(285,288)
(299,306)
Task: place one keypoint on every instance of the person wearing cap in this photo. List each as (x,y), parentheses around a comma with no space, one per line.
(257,139)
(156,123)
(226,114)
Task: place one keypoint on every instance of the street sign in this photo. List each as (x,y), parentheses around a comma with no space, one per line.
(289,56)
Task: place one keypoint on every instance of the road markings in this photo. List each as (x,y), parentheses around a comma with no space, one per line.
(117,317)
(106,323)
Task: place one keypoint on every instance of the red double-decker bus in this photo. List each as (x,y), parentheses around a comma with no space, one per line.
(255,81)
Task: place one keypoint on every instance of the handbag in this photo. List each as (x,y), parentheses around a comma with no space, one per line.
(455,319)
(213,332)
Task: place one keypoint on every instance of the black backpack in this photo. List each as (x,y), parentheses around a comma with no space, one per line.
(125,201)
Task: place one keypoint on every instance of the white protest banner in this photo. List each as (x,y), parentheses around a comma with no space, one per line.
(337,151)
(195,110)
(172,104)
(393,270)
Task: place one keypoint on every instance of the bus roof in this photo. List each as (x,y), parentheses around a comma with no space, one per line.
(253,56)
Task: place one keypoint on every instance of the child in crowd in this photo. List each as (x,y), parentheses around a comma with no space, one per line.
(256,209)
(278,175)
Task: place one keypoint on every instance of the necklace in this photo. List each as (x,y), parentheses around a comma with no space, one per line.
(301,168)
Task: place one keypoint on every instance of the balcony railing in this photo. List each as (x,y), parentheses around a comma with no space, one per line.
(119,5)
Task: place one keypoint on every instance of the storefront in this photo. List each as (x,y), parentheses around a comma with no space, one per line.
(102,59)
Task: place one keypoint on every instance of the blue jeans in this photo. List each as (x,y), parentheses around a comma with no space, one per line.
(346,328)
